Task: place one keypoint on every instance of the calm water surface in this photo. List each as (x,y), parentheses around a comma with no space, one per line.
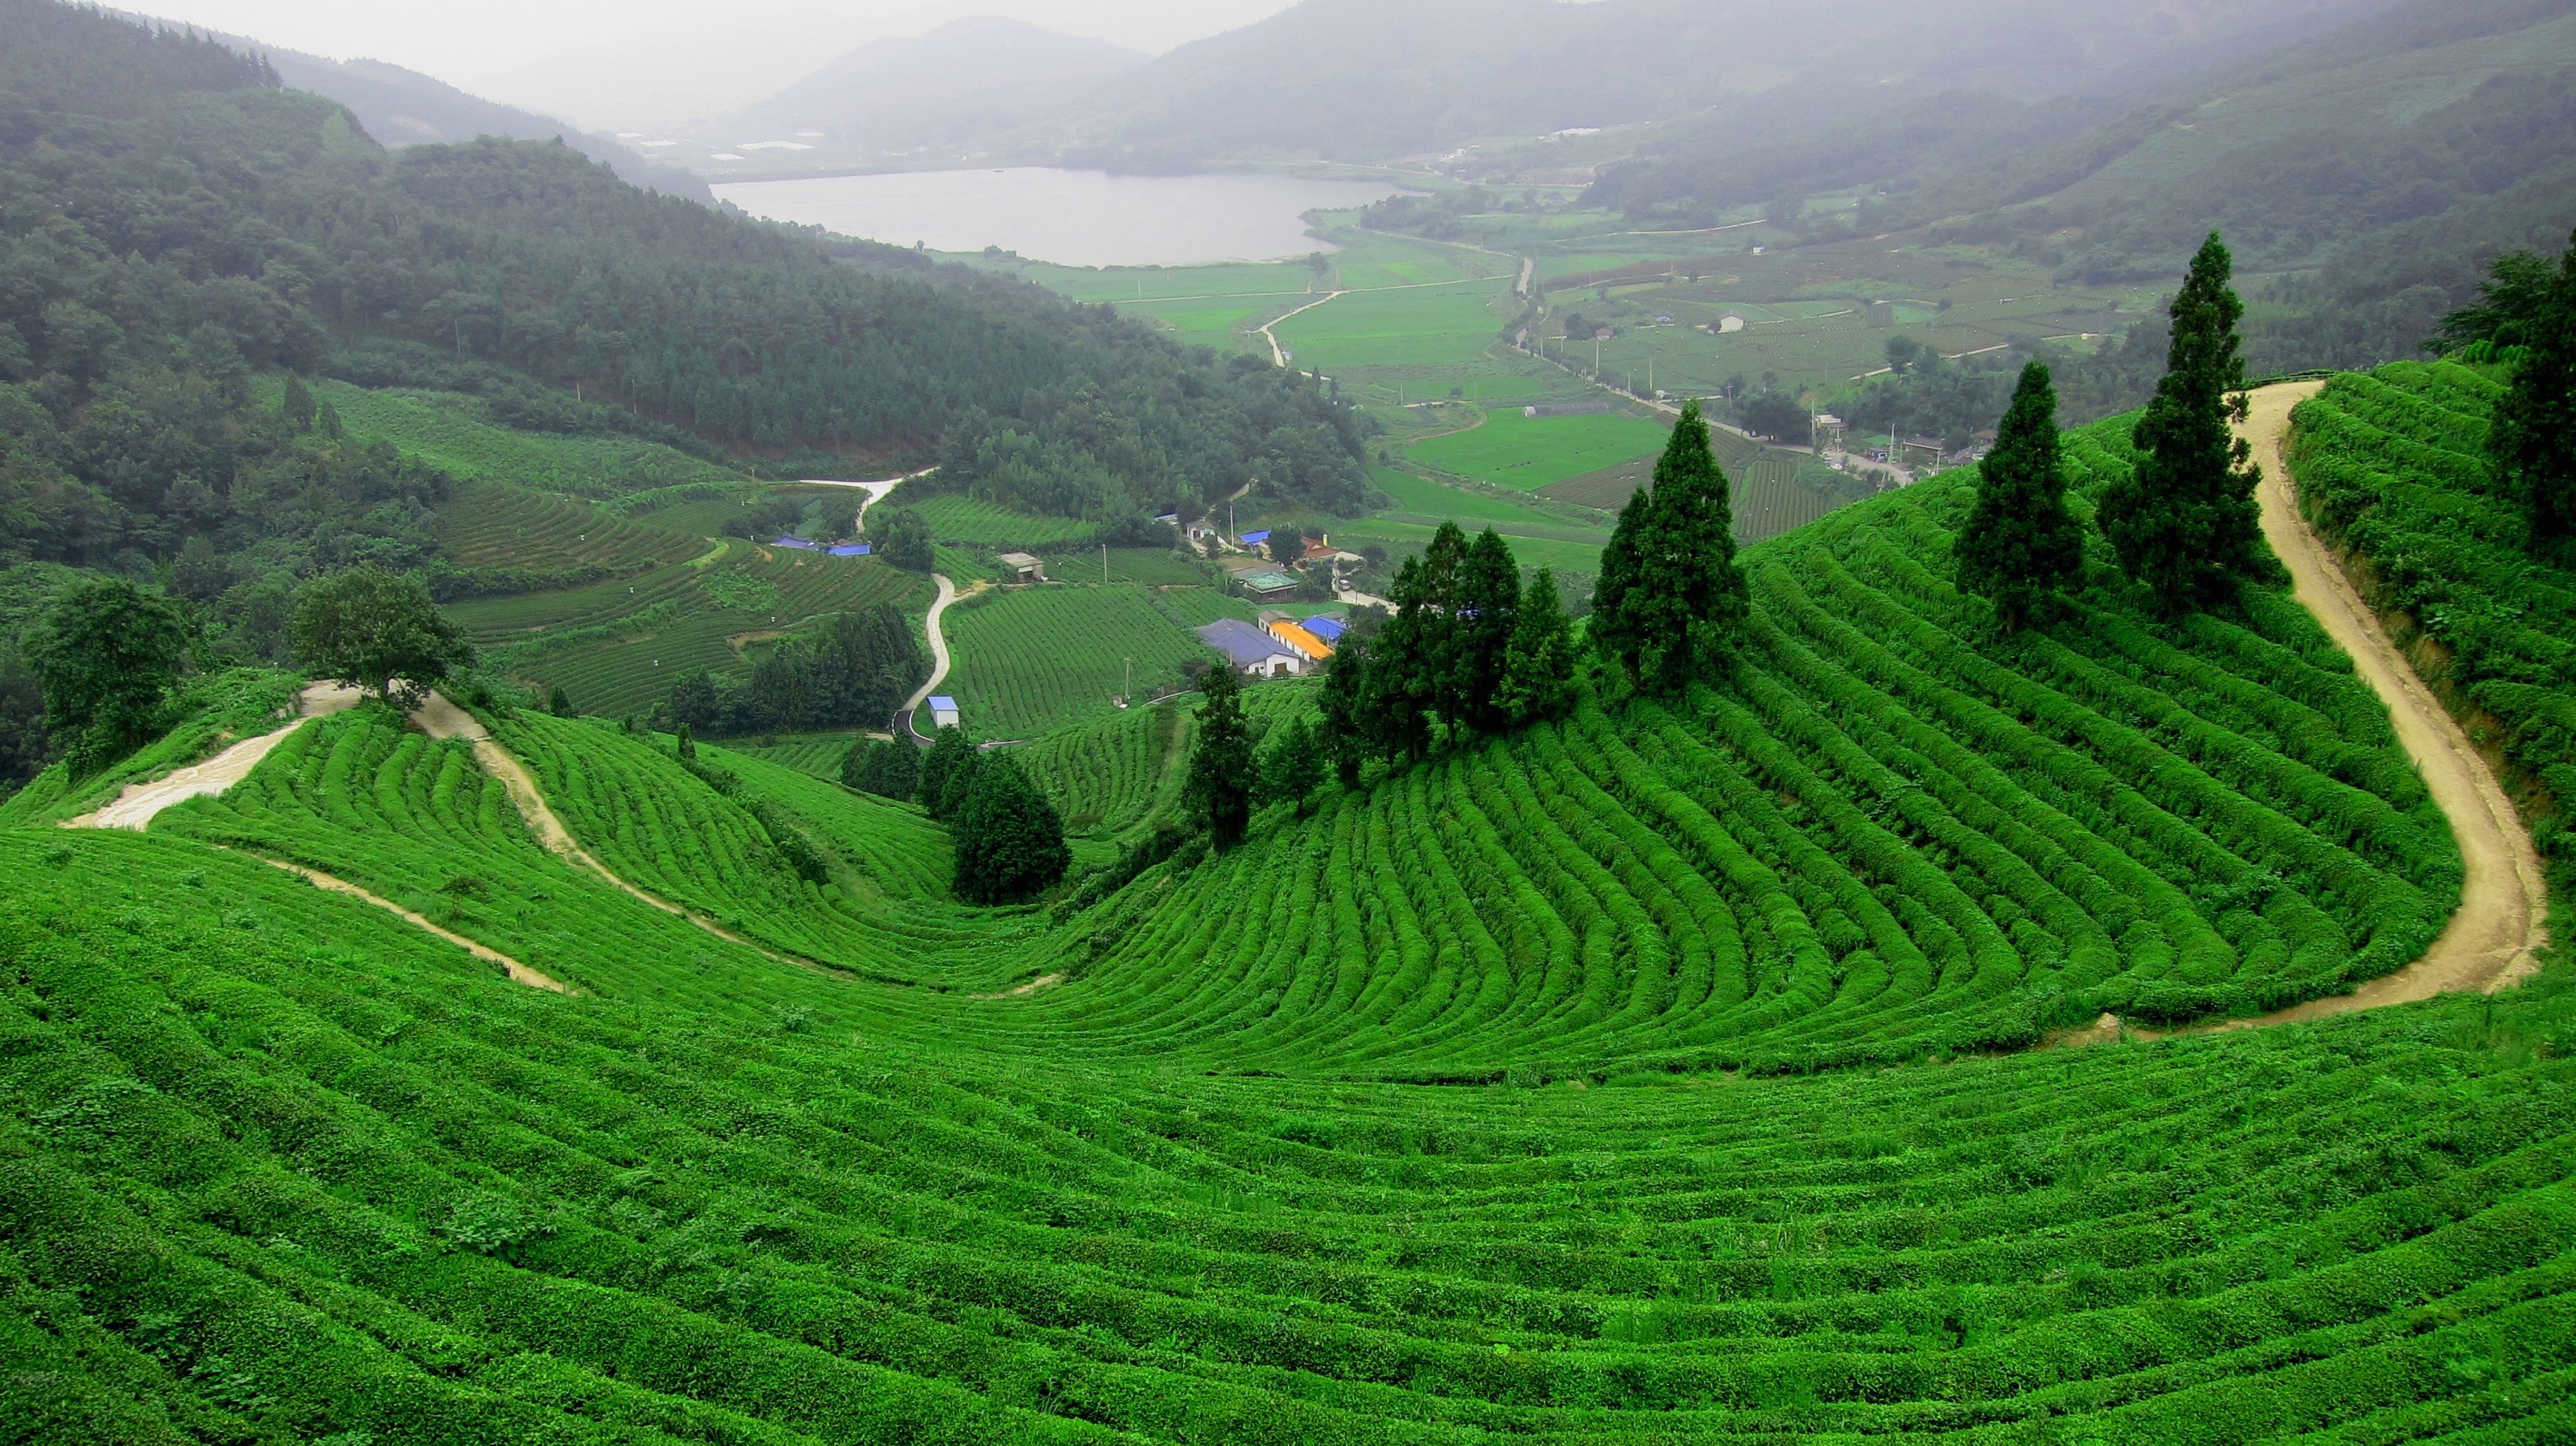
(1073,218)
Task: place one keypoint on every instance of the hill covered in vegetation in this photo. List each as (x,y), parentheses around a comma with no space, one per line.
(1668,1062)
(189,224)
(1474,1103)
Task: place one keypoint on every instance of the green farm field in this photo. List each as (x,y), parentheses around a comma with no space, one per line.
(968,522)
(455,434)
(1034,659)
(1430,497)
(1664,1074)
(1526,454)
(1437,332)
(623,645)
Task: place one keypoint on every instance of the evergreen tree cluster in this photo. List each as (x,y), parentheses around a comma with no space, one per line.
(1009,839)
(2185,523)
(1671,600)
(1468,652)
(854,672)
(886,767)
(1218,791)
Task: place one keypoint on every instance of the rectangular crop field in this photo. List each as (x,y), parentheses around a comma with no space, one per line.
(1428,497)
(1527,454)
(1440,327)
(1031,660)
(965,522)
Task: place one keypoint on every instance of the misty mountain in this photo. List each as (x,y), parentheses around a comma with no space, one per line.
(1371,79)
(402,107)
(2384,161)
(971,75)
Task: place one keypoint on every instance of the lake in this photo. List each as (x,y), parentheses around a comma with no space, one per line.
(1072,218)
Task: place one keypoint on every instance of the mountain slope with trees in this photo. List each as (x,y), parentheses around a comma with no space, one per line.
(189,224)
(2382,163)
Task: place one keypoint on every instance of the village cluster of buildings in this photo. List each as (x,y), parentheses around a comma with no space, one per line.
(1279,646)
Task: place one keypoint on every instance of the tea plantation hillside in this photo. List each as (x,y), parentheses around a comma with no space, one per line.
(278,1167)
(2392,464)
(1486,1104)
(1885,838)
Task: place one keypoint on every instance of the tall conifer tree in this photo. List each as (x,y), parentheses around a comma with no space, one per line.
(1675,598)
(1221,764)
(2021,546)
(1612,634)
(2185,522)
(1538,670)
(2533,440)
(1346,706)
(1700,525)
(1489,608)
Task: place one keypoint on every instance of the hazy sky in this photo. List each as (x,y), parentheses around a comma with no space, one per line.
(643,64)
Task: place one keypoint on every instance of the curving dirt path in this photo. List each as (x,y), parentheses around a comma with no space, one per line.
(441,718)
(140,803)
(2494,939)
(518,972)
(903,719)
(1278,357)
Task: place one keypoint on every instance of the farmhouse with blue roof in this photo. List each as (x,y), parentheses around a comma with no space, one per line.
(1252,652)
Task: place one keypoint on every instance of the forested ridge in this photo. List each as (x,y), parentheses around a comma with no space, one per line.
(177,223)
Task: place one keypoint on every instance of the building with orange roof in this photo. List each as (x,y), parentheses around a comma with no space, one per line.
(1314,648)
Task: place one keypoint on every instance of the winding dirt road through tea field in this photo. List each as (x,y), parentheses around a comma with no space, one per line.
(2494,939)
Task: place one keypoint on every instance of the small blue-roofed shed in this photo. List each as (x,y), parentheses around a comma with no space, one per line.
(943,711)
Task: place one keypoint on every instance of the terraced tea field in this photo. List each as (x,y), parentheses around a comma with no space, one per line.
(1769,496)
(1034,659)
(2392,466)
(623,644)
(1497,1100)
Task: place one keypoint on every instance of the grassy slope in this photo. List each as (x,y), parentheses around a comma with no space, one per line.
(454,434)
(279,1166)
